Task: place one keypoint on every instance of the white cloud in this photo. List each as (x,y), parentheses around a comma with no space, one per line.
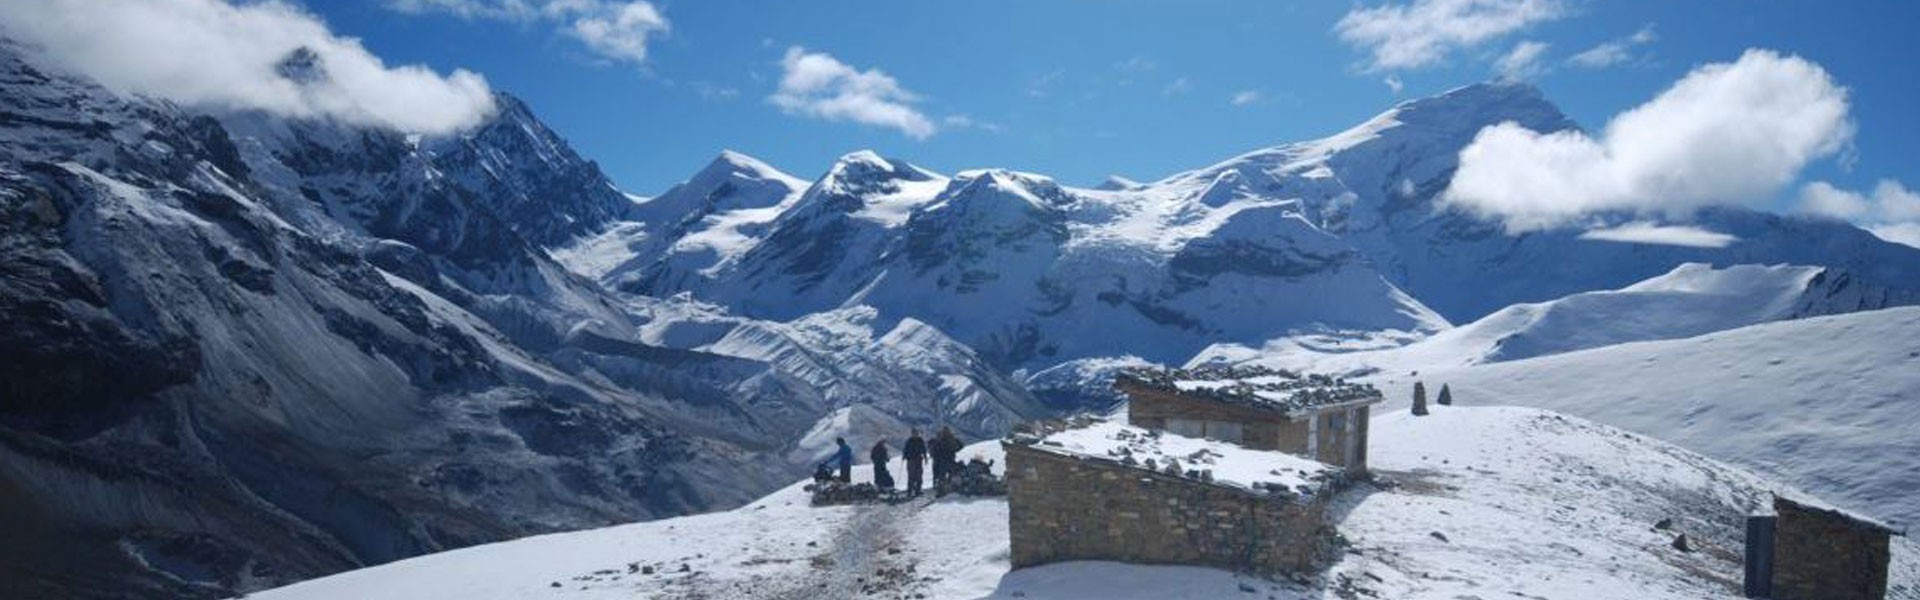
(1727,132)
(213,54)
(1901,233)
(1523,62)
(620,31)
(968,122)
(1891,211)
(1137,64)
(1424,32)
(1042,86)
(1177,87)
(1244,97)
(1393,83)
(1664,235)
(1821,198)
(817,85)
(472,9)
(1613,52)
(612,29)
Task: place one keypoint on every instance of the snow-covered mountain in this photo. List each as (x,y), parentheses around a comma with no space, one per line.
(1489,502)
(243,350)
(1823,403)
(1376,187)
(1320,238)
(1691,300)
(1032,274)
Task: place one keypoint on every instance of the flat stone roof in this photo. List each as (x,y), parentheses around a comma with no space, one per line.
(1211,462)
(1805,503)
(1255,387)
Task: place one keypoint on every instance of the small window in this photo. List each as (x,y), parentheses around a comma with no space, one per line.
(1337,422)
(1225,432)
(1187,427)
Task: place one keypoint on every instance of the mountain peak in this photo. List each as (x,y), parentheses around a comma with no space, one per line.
(1482,104)
(1037,190)
(862,168)
(861,157)
(1115,183)
(302,66)
(729,163)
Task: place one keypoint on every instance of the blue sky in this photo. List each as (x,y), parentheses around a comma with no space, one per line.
(1786,105)
(1080,89)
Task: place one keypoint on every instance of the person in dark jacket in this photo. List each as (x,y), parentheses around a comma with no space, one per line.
(916,455)
(882,478)
(943,448)
(843,459)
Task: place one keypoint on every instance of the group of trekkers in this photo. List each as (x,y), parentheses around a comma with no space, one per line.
(944,449)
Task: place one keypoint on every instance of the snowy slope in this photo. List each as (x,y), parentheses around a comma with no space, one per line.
(1824,403)
(242,350)
(700,224)
(1530,504)
(1339,237)
(1031,274)
(1376,185)
(1691,300)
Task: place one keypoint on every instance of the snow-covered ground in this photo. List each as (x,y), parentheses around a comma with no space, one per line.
(1692,299)
(1487,502)
(1825,403)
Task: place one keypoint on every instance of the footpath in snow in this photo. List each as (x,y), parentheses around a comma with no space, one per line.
(1488,502)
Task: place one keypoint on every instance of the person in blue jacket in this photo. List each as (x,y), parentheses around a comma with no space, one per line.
(843,460)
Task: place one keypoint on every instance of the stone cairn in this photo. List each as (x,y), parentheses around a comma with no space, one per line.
(1446,396)
(975,478)
(1420,399)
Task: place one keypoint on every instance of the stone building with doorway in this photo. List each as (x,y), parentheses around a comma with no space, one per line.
(1104,490)
(1807,552)
(1313,416)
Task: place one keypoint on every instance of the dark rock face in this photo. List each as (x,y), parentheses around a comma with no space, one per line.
(245,351)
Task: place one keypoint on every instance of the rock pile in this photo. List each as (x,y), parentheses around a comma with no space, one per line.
(975,478)
(836,493)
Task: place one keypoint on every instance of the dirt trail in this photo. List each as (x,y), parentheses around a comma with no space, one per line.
(865,557)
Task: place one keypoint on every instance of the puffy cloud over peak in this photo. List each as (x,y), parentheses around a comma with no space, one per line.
(1890,211)
(269,56)
(1725,133)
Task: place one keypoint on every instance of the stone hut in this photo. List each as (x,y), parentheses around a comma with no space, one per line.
(1819,553)
(1108,491)
(1315,416)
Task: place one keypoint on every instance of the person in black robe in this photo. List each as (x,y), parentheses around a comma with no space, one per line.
(916,455)
(944,448)
(882,478)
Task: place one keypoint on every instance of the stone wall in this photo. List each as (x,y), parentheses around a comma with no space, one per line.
(1821,554)
(1262,429)
(1062,508)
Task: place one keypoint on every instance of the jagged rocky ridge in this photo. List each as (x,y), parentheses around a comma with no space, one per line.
(243,350)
